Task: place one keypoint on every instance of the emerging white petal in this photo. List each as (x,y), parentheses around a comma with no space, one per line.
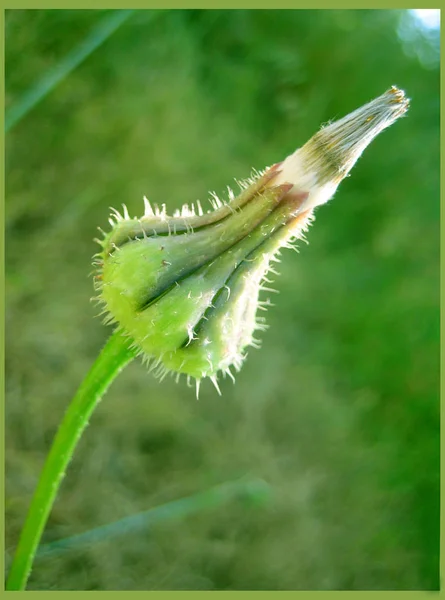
(321,164)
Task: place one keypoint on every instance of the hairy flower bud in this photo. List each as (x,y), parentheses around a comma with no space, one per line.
(186,287)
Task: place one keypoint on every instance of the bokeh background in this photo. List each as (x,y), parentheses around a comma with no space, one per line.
(337,416)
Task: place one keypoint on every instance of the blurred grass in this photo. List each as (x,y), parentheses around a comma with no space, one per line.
(339,412)
(63,67)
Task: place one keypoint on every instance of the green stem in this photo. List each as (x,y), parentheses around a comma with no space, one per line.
(114,357)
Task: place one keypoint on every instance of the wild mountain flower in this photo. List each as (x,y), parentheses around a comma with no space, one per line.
(186,288)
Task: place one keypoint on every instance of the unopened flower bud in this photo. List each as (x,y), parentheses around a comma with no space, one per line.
(186,287)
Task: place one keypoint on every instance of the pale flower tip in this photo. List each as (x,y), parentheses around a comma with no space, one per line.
(390,105)
(340,144)
(398,97)
(327,158)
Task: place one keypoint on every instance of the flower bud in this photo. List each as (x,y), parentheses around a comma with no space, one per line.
(186,287)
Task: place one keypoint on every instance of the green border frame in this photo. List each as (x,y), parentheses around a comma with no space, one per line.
(138,4)
(229,4)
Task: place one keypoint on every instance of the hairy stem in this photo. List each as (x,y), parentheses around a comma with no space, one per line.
(114,357)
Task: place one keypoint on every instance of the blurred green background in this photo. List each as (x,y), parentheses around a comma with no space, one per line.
(338,413)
